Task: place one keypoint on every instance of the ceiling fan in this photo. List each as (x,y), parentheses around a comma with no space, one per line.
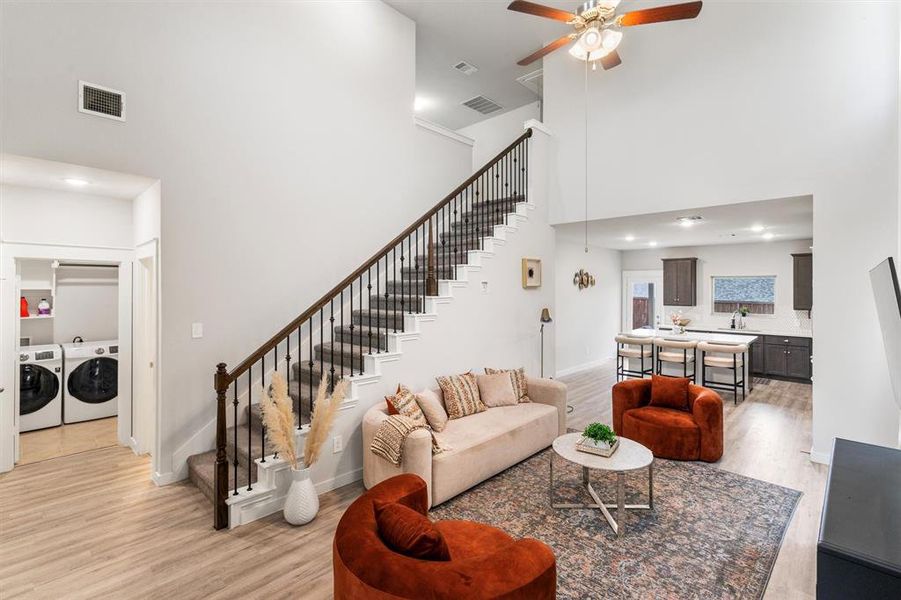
(596,26)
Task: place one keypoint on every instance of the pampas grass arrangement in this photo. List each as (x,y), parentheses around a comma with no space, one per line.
(324,413)
(278,417)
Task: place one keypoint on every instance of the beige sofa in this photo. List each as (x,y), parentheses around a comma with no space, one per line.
(479,446)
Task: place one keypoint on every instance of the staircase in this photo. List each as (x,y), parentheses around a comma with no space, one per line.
(354,326)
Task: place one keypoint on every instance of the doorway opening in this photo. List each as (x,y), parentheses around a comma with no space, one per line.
(642,299)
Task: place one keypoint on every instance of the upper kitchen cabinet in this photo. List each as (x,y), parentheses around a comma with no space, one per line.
(680,281)
(802,284)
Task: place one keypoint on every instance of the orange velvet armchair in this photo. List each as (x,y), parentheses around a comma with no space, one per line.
(695,434)
(485,561)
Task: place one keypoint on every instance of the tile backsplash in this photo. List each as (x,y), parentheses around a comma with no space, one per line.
(785,321)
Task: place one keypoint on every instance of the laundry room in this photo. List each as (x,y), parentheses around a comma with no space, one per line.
(79,281)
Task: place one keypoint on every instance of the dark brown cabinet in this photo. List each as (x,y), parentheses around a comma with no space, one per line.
(680,281)
(802,283)
(757,359)
(787,357)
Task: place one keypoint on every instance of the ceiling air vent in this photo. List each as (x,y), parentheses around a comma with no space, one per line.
(101,101)
(533,81)
(466,68)
(483,105)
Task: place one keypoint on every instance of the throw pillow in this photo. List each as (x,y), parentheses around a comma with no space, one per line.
(497,390)
(669,392)
(431,407)
(518,377)
(404,402)
(461,395)
(408,532)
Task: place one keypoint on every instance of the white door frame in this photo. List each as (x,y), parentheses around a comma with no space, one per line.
(637,276)
(144,438)
(9,372)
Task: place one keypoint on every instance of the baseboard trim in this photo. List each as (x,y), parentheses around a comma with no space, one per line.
(168,478)
(823,458)
(583,367)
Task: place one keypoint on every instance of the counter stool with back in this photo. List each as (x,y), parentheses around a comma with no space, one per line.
(722,355)
(676,352)
(634,347)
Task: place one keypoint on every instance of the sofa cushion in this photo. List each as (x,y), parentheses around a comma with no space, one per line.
(484,444)
(432,408)
(461,395)
(497,390)
(467,538)
(404,402)
(409,532)
(669,392)
(518,377)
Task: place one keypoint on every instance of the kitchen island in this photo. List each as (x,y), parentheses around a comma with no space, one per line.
(714,374)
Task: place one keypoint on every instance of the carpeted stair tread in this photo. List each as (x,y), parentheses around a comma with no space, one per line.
(360,334)
(383,318)
(314,373)
(346,356)
(202,472)
(402,302)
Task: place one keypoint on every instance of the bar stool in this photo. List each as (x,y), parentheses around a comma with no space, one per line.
(632,346)
(724,356)
(680,352)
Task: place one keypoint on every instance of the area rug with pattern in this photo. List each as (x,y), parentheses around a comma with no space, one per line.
(712,534)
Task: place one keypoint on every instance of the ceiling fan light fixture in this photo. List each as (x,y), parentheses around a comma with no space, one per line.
(610,39)
(577,51)
(591,39)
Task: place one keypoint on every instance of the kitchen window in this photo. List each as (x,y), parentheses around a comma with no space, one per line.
(757,293)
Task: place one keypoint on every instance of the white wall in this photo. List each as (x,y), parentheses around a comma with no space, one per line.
(494,134)
(586,320)
(41,216)
(712,111)
(87,304)
(146,218)
(281,165)
(444,163)
(767,258)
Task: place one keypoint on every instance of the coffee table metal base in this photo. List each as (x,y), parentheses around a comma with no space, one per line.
(620,505)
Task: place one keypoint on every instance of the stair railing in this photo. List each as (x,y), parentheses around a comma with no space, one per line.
(375,299)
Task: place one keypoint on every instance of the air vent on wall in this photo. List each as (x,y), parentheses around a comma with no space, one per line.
(483,105)
(466,68)
(101,101)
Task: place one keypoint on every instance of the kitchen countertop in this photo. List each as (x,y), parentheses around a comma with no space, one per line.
(757,331)
(724,338)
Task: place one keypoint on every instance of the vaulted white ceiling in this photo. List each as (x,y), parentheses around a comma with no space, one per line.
(485,34)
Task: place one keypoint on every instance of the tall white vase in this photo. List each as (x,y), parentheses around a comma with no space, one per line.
(302,501)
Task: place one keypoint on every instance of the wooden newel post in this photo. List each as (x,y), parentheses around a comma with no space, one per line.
(431,282)
(220,512)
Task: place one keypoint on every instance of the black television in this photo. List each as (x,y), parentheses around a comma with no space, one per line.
(887,293)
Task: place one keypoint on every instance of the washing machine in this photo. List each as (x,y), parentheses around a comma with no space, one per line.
(92,381)
(40,387)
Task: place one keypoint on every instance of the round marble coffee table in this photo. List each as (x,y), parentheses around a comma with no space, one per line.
(630,456)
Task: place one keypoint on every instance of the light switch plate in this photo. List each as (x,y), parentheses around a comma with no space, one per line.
(484,287)
(196,330)
(337,444)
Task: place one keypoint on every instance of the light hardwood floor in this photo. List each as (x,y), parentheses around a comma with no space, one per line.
(43,444)
(94,526)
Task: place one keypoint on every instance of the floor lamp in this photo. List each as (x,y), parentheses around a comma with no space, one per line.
(545,318)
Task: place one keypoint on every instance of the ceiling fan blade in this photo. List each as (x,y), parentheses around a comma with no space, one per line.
(611,60)
(530,8)
(546,50)
(674,12)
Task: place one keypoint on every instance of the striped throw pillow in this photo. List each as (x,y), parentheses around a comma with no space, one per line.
(461,395)
(520,385)
(404,402)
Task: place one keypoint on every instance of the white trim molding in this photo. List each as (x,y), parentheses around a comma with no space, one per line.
(535,124)
(441,130)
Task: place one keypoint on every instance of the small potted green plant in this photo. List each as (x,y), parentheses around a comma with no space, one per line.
(598,438)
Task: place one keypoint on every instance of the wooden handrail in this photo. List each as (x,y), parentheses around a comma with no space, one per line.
(239,370)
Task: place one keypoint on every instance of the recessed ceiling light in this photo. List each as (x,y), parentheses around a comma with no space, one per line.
(757,228)
(652,243)
(689,221)
(767,236)
(630,238)
(420,103)
(76,182)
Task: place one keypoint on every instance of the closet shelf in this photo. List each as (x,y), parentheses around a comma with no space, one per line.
(34,317)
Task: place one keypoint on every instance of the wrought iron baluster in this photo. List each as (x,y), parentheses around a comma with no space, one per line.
(331,325)
(262,425)
(359,287)
(249,428)
(368,303)
(235,457)
(334,343)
